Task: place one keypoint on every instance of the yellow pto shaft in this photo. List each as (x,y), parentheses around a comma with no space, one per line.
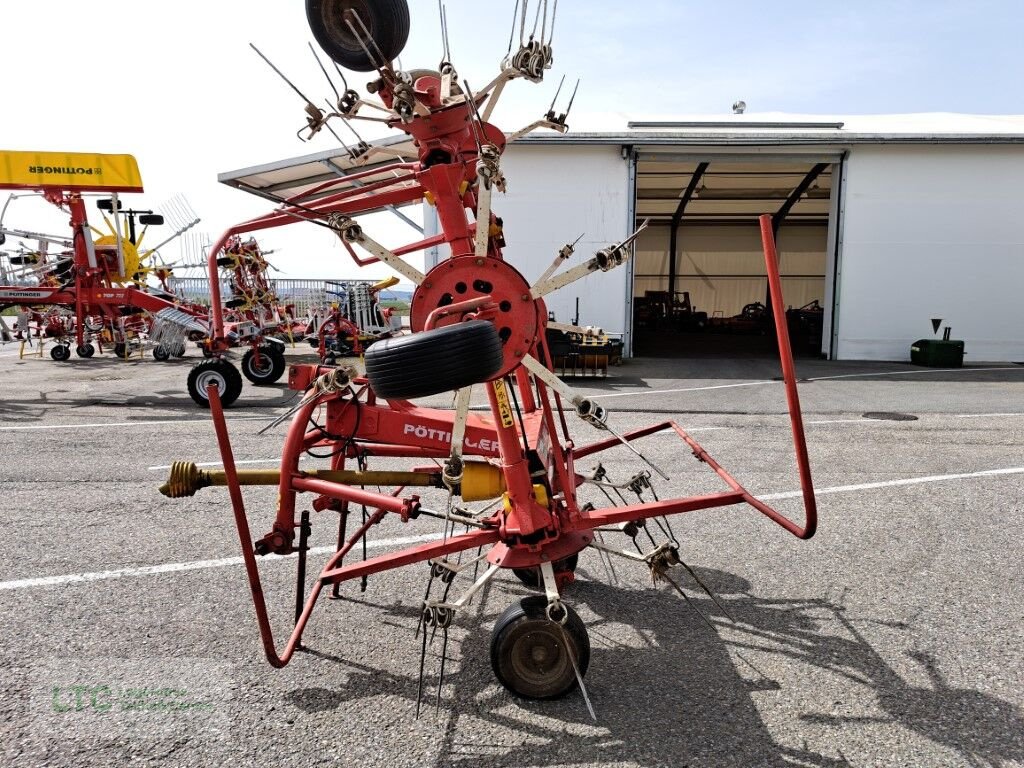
(186,478)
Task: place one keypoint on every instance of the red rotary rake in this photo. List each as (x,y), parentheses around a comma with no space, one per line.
(477,325)
(89,290)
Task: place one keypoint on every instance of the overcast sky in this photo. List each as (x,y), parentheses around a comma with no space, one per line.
(175,83)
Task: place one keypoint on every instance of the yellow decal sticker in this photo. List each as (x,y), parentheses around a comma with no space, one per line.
(504,409)
(70,171)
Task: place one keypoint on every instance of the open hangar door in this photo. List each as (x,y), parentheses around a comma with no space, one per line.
(699,286)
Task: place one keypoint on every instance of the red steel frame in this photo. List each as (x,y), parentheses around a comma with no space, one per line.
(536,522)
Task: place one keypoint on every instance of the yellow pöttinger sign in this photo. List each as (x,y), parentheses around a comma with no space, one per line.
(72,171)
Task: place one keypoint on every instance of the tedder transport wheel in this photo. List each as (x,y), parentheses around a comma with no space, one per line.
(530,653)
(119,349)
(270,368)
(60,352)
(85,350)
(179,351)
(213,371)
(430,362)
(387,21)
(531,576)
(160,352)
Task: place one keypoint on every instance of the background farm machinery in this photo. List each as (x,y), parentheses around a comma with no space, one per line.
(662,310)
(82,291)
(337,318)
(352,320)
(582,352)
(513,487)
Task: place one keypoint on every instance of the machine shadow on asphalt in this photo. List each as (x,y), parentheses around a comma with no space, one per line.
(689,693)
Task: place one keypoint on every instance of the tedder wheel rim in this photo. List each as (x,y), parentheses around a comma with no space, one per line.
(268,369)
(221,374)
(537,660)
(206,378)
(532,656)
(263,367)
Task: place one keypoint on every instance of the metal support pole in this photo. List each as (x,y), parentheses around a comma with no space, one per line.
(677,219)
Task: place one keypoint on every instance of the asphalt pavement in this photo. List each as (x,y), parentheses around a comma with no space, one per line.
(892,638)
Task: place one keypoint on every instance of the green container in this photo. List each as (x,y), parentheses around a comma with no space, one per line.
(937,353)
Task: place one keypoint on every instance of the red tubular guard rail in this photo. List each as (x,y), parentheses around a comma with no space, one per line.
(771,263)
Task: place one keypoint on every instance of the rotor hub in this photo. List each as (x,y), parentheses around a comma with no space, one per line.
(517,315)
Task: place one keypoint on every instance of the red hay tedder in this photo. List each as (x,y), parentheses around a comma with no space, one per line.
(477,325)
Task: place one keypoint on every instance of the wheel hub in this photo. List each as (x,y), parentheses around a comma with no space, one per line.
(206,378)
(469,277)
(538,660)
(263,366)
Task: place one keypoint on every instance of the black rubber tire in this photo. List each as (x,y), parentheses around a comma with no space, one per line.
(214,371)
(531,576)
(85,350)
(430,362)
(234,303)
(387,21)
(179,351)
(272,365)
(60,352)
(161,353)
(524,639)
(226,261)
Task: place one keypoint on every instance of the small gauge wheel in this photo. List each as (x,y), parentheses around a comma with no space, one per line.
(532,656)
(220,373)
(267,369)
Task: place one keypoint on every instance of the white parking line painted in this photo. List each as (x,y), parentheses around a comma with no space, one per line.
(662,433)
(982,415)
(635,392)
(844,421)
(221,464)
(151,570)
(195,565)
(672,432)
(642,392)
(100,425)
(895,483)
(915,370)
